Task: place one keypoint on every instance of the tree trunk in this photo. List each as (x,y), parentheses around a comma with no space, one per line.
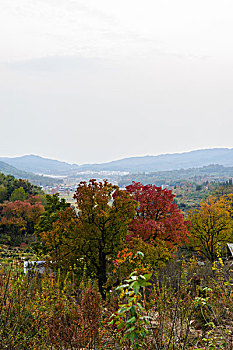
(102,274)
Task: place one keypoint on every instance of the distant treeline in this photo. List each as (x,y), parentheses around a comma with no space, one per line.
(208,173)
(16,189)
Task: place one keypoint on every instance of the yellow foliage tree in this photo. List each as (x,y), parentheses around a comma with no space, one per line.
(211,226)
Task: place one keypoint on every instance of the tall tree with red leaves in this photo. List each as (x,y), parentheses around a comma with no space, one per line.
(157,218)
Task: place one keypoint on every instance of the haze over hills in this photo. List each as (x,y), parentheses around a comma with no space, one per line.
(163,162)
(10,170)
(39,165)
(201,174)
(7,169)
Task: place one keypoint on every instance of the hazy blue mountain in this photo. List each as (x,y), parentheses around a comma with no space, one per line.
(37,164)
(7,169)
(163,162)
(10,170)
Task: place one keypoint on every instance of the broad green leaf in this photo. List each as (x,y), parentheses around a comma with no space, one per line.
(131,320)
(142,277)
(133,273)
(123,309)
(144,283)
(122,287)
(121,325)
(130,329)
(148,276)
(133,310)
(136,288)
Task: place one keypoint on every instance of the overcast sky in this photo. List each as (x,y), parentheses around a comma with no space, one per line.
(98,80)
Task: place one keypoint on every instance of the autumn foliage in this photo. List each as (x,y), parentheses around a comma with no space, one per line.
(92,235)
(108,220)
(158,218)
(211,226)
(19,218)
(80,301)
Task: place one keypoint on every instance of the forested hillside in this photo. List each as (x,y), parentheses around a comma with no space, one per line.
(36,179)
(208,173)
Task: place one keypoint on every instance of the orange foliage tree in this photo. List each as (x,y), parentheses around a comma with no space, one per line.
(95,232)
(104,219)
(18,219)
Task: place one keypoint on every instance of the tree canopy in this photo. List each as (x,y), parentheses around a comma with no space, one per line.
(96,232)
(211,226)
(157,216)
(18,220)
(9,184)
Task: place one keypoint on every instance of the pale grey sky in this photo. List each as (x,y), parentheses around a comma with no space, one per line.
(92,81)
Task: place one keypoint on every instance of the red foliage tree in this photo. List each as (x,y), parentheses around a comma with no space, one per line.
(157,216)
(20,217)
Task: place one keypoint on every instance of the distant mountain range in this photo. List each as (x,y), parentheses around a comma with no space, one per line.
(40,165)
(163,162)
(35,179)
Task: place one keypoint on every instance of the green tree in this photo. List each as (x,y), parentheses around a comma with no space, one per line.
(11,184)
(3,193)
(54,205)
(18,195)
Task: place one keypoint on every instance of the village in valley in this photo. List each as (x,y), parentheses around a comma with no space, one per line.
(116,175)
(123,253)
